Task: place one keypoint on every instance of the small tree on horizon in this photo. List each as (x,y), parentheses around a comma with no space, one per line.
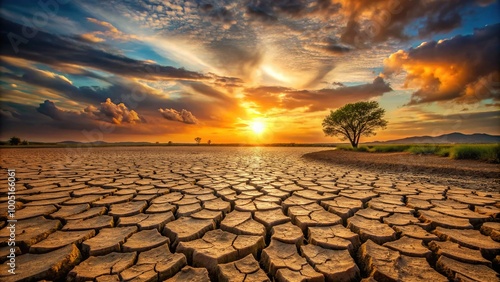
(352,121)
(198,140)
(209,142)
(14,140)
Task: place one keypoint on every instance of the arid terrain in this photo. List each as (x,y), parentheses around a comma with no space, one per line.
(241,214)
(470,174)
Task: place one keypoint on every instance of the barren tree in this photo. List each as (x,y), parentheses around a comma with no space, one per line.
(198,140)
(355,120)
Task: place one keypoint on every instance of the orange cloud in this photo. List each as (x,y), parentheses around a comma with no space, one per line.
(110,32)
(462,69)
(92,37)
(182,116)
(266,98)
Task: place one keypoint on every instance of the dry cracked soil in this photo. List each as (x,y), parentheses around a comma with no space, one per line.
(238,214)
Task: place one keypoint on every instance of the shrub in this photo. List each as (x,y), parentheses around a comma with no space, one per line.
(389,148)
(14,140)
(350,148)
(429,150)
(362,149)
(444,152)
(345,148)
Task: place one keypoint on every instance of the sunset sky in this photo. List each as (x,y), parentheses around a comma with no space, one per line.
(245,71)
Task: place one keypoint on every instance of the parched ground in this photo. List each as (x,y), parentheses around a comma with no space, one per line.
(242,214)
(462,173)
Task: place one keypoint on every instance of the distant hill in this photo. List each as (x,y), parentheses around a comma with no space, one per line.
(104,143)
(69,142)
(454,137)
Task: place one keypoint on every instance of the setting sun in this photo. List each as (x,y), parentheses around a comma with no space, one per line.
(257,126)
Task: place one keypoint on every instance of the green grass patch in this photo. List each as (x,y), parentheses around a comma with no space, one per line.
(482,152)
(489,153)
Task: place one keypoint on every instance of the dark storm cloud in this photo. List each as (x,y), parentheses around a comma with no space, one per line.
(462,69)
(49,109)
(286,98)
(444,21)
(337,49)
(106,111)
(391,19)
(57,50)
(37,77)
(268,10)
(218,13)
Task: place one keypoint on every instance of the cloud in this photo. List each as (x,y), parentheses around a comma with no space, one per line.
(6,114)
(266,98)
(60,50)
(330,46)
(336,48)
(461,69)
(262,10)
(269,10)
(209,91)
(110,31)
(241,61)
(114,113)
(106,111)
(413,121)
(219,14)
(92,37)
(319,74)
(49,109)
(142,97)
(361,22)
(182,116)
(107,25)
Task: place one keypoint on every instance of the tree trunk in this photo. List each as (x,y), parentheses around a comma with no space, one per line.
(354,143)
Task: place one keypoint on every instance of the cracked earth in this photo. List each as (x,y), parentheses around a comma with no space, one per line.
(238,214)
